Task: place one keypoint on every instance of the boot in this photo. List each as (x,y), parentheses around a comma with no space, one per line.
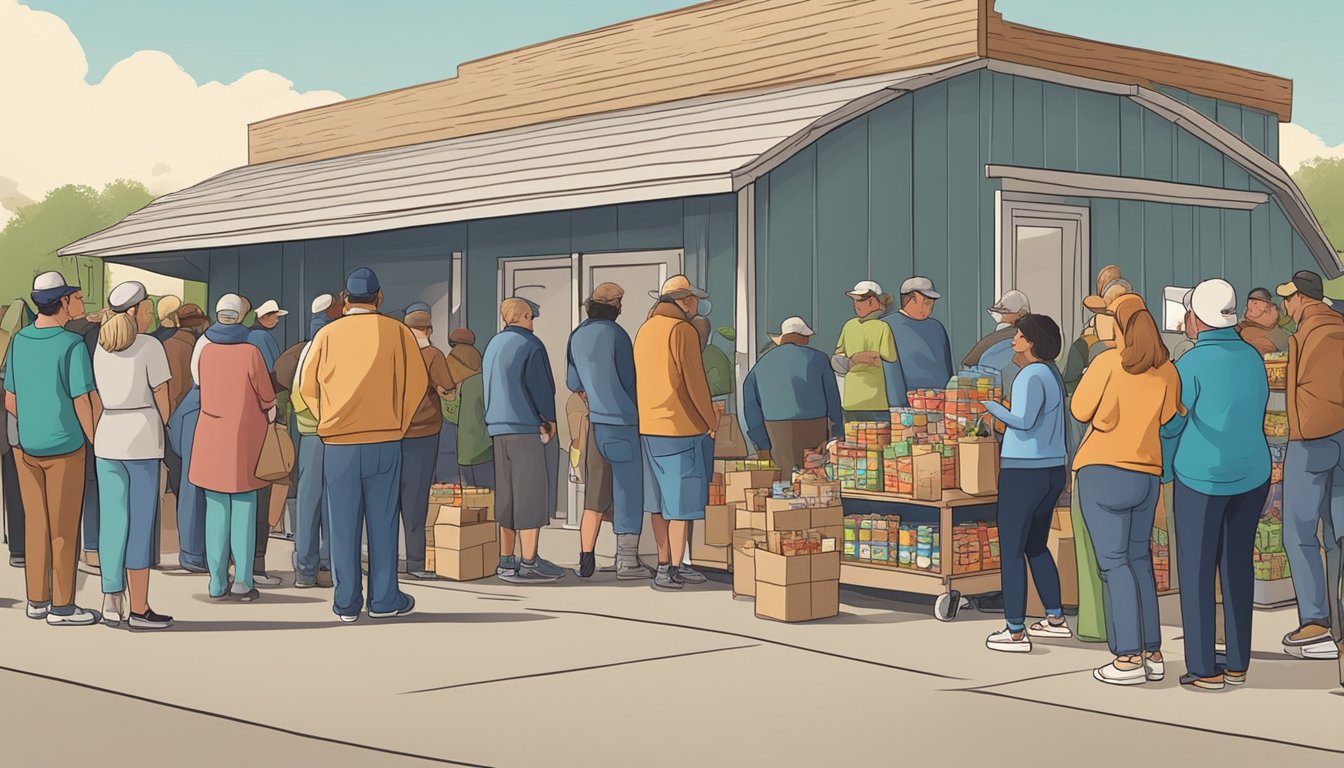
(627,557)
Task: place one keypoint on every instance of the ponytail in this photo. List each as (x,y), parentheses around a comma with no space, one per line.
(118,332)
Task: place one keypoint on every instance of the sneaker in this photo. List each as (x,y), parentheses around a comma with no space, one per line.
(423,574)
(527,574)
(508,566)
(150,620)
(350,619)
(1234,678)
(1125,670)
(1009,642)
(548,568)
(1214,683)
(263,579)
(17,561)
(690,575)
(1047,628)
(305,582)
(1154,667)
(631,569)
(243,595)
(324,578)
(38,611)
(667,578)
(114,609)
(410,606)
(191,567)
(82,617)
(587,565)
(1311,641)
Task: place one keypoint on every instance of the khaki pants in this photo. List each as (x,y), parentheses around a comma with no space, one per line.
(790,440)
(53,497)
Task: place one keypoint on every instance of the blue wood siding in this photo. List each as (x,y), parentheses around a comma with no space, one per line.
(1259,129)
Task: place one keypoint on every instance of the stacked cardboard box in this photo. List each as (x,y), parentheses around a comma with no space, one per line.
(1061,547)
(464,544)
(463,495)
(797,585)
(858,467)
(745,545)
(975,547)
(705,553)
(868,434)
(1161,547)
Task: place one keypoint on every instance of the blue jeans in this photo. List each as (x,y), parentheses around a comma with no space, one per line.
(190,504)
(445,467)
(128,507)
(230,531)
(418,457)
(1119,506)
(620,446)
(362,485)
(680,468)
(1313,496)
(1026,505)
(478,475)
(1216,534)
(312,546)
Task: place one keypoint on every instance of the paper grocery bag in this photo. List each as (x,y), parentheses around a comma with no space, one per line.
(277,454)
(978,465)
(729,442)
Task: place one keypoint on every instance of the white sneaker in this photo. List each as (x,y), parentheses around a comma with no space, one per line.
(350,619)
(266,580)
(1005,641)
(113,609)
(1154,669)
(1044,628)
(82,617)
(1122,671)
(38,611)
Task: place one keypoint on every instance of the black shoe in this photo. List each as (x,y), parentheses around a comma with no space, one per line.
(192,568)
(17,561)
(150,620)
(247,597)
(587,565)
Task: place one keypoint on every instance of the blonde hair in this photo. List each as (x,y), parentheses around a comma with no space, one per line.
(118,332)
(513,310)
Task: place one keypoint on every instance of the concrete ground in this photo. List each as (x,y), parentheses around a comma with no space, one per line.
(612,673)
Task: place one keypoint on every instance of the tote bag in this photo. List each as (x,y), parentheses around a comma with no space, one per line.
(277,454)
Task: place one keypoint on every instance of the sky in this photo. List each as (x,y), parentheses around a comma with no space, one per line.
(161,90)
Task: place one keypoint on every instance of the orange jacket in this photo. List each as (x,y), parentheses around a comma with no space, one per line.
(670,382)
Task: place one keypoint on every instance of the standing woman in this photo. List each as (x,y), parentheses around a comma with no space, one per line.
(131,373)
(237,402)
(1125,397)
(1032,473)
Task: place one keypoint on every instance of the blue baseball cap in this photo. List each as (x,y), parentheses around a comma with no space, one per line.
(418,306)
(50,287)
(362,282)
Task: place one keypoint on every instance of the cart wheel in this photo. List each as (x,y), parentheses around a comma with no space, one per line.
(947,605)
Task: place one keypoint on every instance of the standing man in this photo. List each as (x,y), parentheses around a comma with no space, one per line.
(519,394)
(312,536)
(1221,470)
(995,350)
(601,369)
(922,348)
(362,379)
(464,361)
(790,399)
(420,449)
(1260,327)
(677,423)
(49,376)
(88,327)
(1313,472)
(270,499)
(189,322)
(864,355)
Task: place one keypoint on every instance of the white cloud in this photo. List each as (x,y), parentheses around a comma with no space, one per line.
(1297,145)
(147,120)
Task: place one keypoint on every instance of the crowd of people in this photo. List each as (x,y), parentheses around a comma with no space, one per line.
(382,414)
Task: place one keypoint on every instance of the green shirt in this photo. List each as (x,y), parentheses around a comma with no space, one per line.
(866,385)
(46,369)
(718,371)
(473,441)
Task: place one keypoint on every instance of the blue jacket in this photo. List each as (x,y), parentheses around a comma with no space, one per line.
(1034,438)
(790,383)
(1219,446)
(519,388)
(182,424)
(264,341)
(600,362)
(925,358)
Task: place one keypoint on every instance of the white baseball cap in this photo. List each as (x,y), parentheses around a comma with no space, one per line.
(920,285)
(270,307)
(1214,302)
(863,289)
(322,303)
(126,295)
(230,307)
(790,325)
(1012,301)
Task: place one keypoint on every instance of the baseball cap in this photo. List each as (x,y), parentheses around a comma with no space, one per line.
(126,295)
(270,307)
(865,288)
(1260,294)
(1012,301)
(419,319)
(1307,283)
(51,286)
(920,285)
(461,336)
(418,306)
(322,303)
(678,287)
(167,306)
(792,325)
(1214,302)
(362,282)
(607,293)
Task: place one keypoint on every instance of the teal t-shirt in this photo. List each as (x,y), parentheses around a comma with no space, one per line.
(46,369)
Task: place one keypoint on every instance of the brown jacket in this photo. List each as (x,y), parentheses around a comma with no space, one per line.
(428,419)
(671,386)
(464,361)
(178,348)
(1266,341)
(1316,375)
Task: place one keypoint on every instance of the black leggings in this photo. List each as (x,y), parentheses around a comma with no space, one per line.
(1027,500)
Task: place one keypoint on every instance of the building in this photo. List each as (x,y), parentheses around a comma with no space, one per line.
(776,152)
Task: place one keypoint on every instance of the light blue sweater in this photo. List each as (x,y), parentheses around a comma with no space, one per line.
(601,364)
(1034,438)
(519,388)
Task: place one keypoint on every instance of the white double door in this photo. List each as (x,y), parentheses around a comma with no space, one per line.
(559,285)
(1043,252)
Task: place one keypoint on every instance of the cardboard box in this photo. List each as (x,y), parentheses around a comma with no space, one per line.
(460,537)
(430,559)
(468,564)
(788,519)
(784,603)
(744,561)
(927,469)
(712,556)
(1062,549)
(778,569)
(826,598)
(757,499)
(738,483)
(1062,521)
(978,465)
(780,505)
(822,490)
(745,520)
(718,526)
(831,516)
(452,514)
(825,567)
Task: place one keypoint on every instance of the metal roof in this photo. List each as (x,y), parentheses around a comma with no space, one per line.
(676,149)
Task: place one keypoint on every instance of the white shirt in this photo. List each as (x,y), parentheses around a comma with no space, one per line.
(131,428)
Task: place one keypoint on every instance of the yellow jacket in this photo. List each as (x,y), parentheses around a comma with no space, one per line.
(362,378)
(670,383)
(1125,413)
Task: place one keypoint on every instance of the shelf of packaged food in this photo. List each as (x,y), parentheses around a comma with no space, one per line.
(951,499)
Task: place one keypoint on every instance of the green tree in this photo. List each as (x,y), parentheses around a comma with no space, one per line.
(28,244)
(1322,181)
